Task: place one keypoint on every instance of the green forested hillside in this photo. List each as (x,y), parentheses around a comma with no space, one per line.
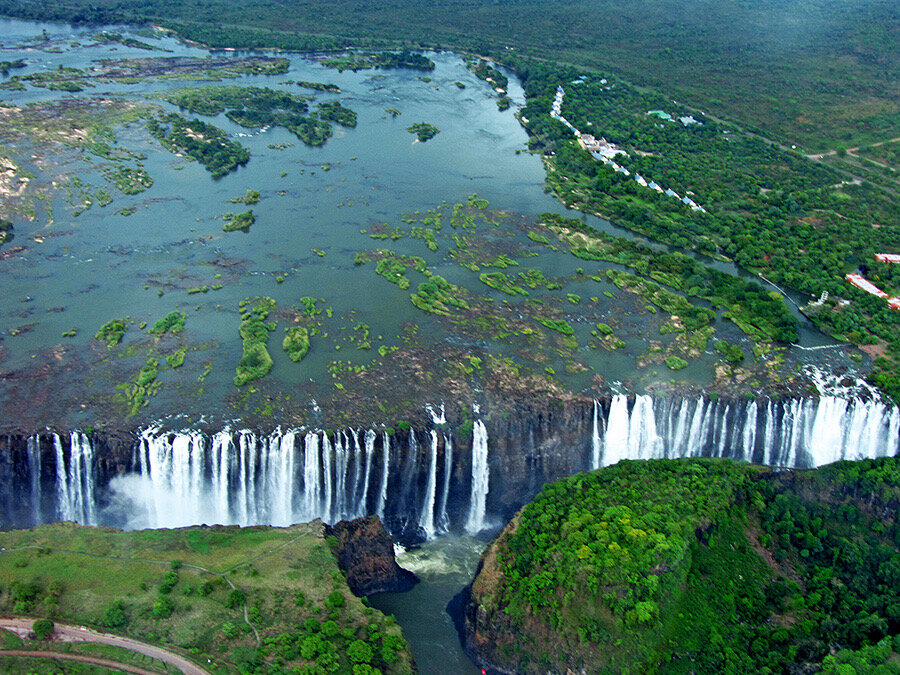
(696,566)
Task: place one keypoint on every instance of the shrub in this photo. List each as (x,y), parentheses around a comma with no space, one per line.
(42,628)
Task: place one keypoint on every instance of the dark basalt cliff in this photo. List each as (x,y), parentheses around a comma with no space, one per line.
(487,633)
(365,553)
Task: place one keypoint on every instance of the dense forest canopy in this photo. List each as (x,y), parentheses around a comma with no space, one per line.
(809,71)
(697,566)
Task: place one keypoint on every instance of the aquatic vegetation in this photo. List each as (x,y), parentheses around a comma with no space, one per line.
(254,107)
(62,79)
(333,111)
(145,385)
(675,362)
(732,353)
(112,332)
(296,342)
(393,270)
(250,197)
(483,71)
(210,68)
(423,130)
(128,180)
(559,325)
(313,132)
(6,66)
(108,37)
(319,86)
(501,282)
(693,317)
(176,359)
(203,142)
(254,331)
(238,221)
(173,322)
(6,228)
(362,61)
(248,106)
(309,306)
(437,296)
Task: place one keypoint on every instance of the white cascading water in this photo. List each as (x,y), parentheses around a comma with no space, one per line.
(240,477)
(75,479)
(480,476)
(370,454)
(788,433)
(386,464)
(312,498)
(328,482)
(33,450)
(426,513)
(444,518)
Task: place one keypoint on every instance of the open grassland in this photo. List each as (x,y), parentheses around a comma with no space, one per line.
(245,598)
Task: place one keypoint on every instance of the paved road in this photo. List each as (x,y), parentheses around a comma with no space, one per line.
(78,657)
(67,633)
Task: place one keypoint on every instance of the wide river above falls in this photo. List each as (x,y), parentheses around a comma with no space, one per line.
(68,273)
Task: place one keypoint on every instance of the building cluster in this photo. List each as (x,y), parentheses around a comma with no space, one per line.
(864,284)
(686,120)
(606,152)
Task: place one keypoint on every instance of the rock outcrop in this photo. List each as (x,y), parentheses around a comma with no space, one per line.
(365,553)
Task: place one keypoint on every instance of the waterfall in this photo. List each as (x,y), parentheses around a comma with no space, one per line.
(789,433)
(596,446)
(312,497)
(444,519)
(328,488)
(370,454)
(33,450)
(615,442)
(75,479)
(178,478)
(386,463)
(340,475)
(352,510)
(477,502)
(426,514)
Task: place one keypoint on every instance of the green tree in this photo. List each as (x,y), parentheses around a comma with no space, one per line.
(42,628)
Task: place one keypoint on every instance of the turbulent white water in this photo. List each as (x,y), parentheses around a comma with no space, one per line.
(426,514)
(480,478)
(419,486)
(789,433)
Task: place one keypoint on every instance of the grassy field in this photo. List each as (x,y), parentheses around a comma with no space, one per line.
(192,589)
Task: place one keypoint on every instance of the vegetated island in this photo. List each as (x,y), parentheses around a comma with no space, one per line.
(198,140)
(423,130)
(696,566)
(249,600)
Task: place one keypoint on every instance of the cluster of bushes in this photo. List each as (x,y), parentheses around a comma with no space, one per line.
(254,331)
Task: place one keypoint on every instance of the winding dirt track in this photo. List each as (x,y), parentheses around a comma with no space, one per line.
(67,633)
(78,657)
